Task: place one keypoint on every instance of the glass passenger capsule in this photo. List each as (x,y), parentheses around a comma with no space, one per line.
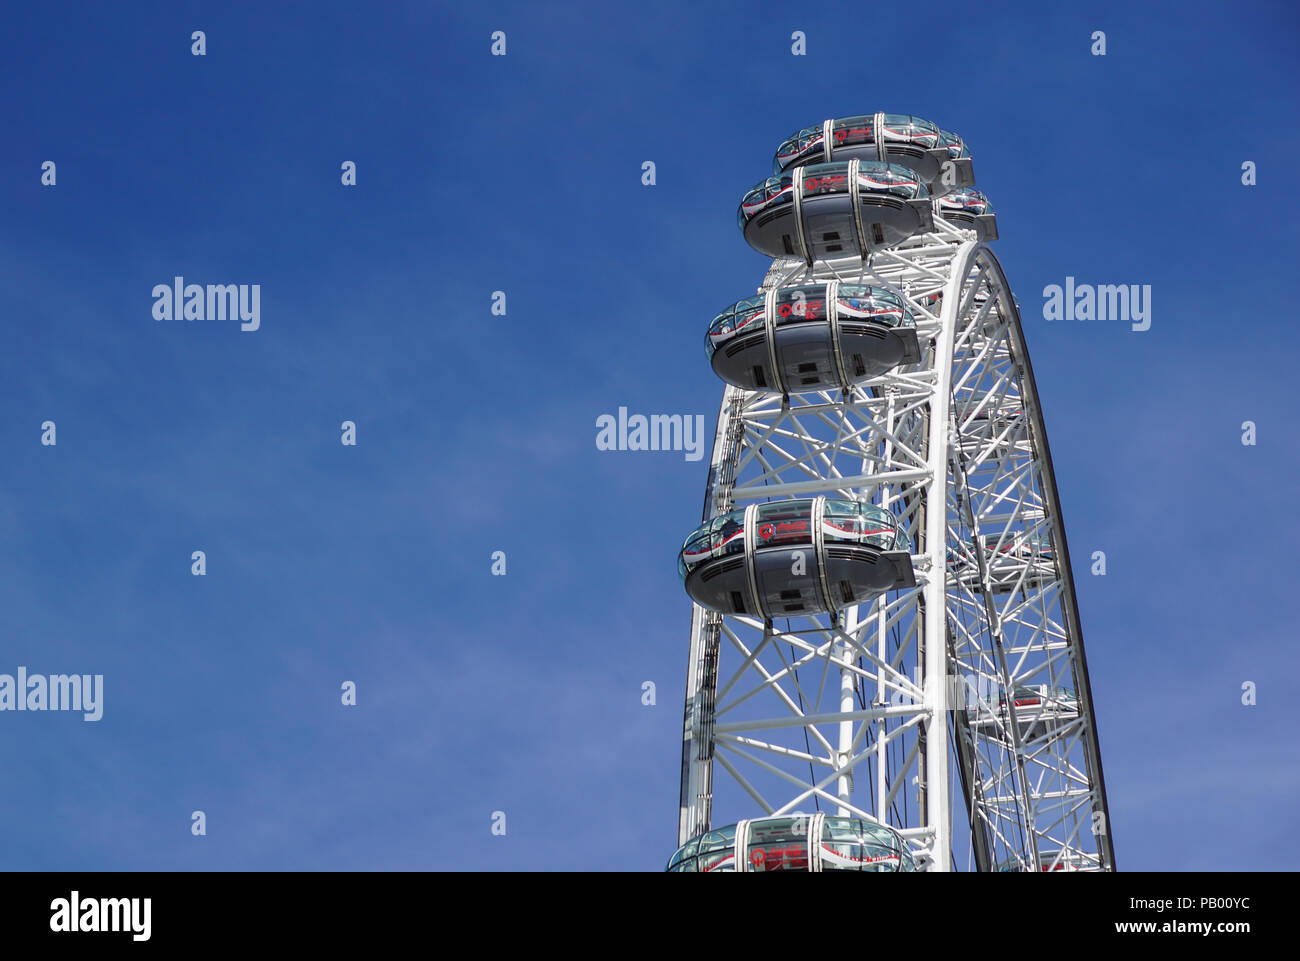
(1056,861)
(891,205)
(1014,563)
(887,137)
(996,314)
(1030,547)
(971,209)
(991,422)
(812,337)
(792,557)
(799,843)
(1039,708)
(1042,697)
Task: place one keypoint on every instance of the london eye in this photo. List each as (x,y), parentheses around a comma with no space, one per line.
(886,668)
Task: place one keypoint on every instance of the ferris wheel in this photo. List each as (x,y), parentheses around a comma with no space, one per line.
(886,667)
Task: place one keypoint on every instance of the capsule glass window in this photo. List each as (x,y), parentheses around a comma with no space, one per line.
(723,839)
(723,535)
(784,524)
(740,317)
(797,305)
(778,845)
(956,146)
(892,178)
(850,522)
(819,179)
(866,846)
(728,532)
(969,200)
(876,304)
(907,129)
(795,147)
(716,846)
(686,853)
(778,829)
(991,542)
(771,192)
(854,130)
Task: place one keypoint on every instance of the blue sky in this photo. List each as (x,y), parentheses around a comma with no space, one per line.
(476,433)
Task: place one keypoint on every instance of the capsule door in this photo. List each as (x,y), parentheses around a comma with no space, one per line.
(804,351)
(785,562)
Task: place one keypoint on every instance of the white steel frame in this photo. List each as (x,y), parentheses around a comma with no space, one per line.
(858,713)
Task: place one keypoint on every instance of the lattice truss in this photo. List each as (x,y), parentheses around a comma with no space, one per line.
(837,712)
